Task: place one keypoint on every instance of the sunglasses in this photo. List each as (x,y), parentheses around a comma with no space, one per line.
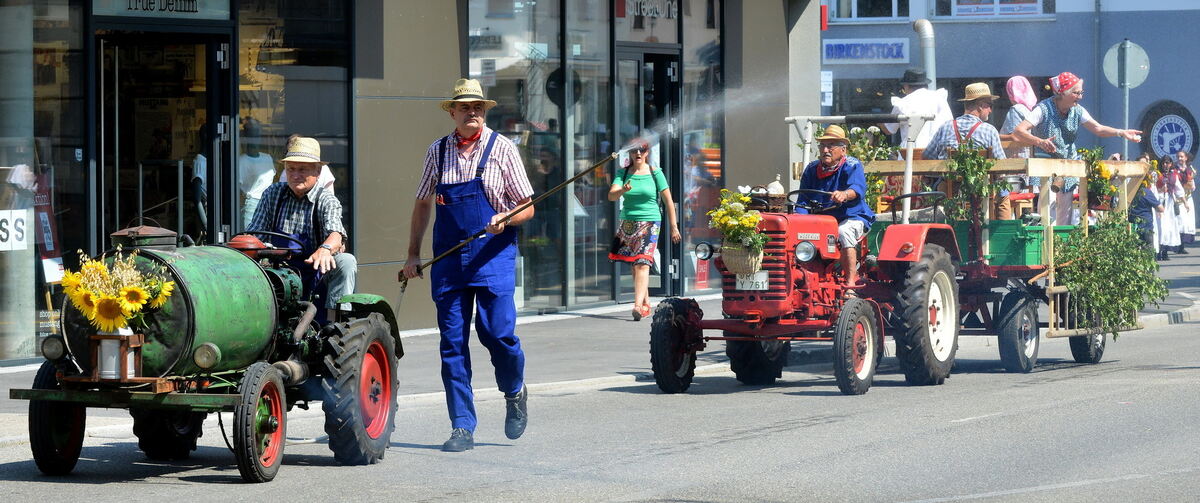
(639,150)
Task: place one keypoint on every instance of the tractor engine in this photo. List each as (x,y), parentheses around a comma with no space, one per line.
(797,277)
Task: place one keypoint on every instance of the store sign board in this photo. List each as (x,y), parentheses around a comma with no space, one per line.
(163,9)
(864,51)
(14,230)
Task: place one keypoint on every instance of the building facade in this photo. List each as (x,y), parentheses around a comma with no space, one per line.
(870,43)
(174,113)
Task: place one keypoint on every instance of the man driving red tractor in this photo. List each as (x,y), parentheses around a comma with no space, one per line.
(843,179)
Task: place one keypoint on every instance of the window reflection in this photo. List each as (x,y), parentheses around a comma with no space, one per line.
(293,59)
(703,162)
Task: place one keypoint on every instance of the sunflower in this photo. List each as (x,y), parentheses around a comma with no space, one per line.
(109,315)
(132,298)
(86,302)
(167,288)
(70,283)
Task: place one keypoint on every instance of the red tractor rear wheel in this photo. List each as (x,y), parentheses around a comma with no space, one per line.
(928,307)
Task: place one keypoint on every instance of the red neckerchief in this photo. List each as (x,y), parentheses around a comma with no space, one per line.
(463,142)
(824,171)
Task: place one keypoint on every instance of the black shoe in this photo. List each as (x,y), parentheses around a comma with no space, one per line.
(460,440)
(1181,250)
(517,415)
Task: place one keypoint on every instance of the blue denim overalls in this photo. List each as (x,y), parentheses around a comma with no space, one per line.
(480,273)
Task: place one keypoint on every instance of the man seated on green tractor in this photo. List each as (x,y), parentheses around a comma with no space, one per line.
(302,215)
(843,178)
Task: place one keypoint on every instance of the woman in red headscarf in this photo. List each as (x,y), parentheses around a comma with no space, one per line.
(1052,126)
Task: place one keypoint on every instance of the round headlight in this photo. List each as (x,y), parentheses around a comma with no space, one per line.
(207,356)
(53,347)
(704,251)
(805,251)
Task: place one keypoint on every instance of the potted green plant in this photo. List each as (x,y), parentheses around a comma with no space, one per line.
(1100,189)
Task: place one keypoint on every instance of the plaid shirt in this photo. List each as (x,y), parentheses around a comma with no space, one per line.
(985,136)
(296,213)
(504,178)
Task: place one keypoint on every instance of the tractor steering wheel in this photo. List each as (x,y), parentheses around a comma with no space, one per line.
(299,245)
(810,205)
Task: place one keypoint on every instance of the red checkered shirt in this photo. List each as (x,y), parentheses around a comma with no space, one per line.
(504,178)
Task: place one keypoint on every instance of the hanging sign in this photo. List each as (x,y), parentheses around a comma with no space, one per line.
(163,9)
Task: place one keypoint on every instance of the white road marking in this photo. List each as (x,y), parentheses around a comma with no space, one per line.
(1054,487)
(965,419)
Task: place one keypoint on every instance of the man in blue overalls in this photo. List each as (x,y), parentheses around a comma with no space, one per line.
(473,179)
(311,217)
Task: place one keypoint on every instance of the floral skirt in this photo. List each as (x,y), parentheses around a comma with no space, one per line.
(635,243)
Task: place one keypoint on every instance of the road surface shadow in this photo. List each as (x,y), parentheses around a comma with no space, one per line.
(120,462)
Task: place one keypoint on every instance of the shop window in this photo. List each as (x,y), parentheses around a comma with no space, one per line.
(294,79)
(43,174)
(524,76)
(703,140)
(994,8)
(589,210)
(867,9)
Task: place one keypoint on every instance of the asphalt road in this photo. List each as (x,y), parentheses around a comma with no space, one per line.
(1120,430)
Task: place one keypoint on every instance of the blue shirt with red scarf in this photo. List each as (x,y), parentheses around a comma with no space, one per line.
(846,175)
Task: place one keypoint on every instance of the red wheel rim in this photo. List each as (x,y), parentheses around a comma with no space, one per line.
(859,349)
(375,389)
(269,425)
(933,315)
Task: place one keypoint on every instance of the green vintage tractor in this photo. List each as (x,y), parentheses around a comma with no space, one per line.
(239,335)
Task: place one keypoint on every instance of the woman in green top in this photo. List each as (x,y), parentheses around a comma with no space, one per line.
(641,186)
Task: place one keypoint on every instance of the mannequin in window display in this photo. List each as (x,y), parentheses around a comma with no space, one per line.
(256,169)
(199,180)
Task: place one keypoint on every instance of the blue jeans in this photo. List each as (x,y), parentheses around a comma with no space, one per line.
(341,281)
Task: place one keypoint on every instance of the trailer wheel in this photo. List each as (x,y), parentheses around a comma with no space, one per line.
(1088,348)
(673,364)
(167,435)
(928,302)
(55,428)
(757,362)
(360,390)
(1018,332)
(855,347)
(260,423)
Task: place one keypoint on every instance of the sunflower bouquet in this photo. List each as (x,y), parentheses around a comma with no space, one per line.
(114,296)
(738,225)
(1099,177)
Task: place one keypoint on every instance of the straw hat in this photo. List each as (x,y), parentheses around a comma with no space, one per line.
(979,91)
(834,133)
(303,149)
(467,90)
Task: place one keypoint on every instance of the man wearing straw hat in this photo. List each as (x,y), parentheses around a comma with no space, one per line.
(843,177)
(311,215)
(473,179)
(970,130)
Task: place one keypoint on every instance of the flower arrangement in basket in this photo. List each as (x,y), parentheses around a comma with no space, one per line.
(1100,188)
(116,296)
(741,241)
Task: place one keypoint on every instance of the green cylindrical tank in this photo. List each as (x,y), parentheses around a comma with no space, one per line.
(221,296)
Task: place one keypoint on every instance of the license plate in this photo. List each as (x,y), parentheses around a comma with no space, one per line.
(757,281)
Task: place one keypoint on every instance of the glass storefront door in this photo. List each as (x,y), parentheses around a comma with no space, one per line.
(162,138)
(647,107)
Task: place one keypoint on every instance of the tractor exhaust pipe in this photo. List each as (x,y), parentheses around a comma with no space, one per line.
(924,30)
(294,372)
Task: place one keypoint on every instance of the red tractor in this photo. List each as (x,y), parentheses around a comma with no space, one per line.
(800,295)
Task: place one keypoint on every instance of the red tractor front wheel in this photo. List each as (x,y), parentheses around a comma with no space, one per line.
(856,348)
(260,423)
(671,357)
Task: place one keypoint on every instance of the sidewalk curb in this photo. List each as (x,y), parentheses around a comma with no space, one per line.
(810,357)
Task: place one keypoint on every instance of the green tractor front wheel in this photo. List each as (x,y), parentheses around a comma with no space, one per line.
(260,423)
(55,428)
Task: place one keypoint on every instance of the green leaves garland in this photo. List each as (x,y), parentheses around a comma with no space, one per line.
(1110,273)
(968,170)
(868,145)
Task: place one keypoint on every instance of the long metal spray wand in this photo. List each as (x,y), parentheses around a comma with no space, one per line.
(519,209)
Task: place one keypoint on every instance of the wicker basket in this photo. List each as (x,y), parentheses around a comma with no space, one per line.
(741,260)
(775,203)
